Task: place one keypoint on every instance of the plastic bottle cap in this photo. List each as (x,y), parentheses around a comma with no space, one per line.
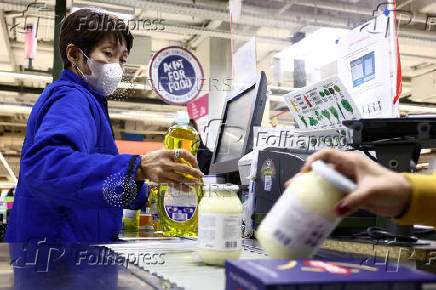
(182,117)
(219,187)
(335,178)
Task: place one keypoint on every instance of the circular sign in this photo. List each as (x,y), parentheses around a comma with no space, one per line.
(176,75)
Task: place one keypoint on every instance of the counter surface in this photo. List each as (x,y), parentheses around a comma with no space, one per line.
(144,263)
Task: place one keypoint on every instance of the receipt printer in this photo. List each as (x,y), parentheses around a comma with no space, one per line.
(275,166)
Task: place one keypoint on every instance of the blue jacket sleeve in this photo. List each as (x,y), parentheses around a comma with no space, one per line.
(59,165)
(142,197)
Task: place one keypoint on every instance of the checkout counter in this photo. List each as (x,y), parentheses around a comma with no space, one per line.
(161,263)
(156,262)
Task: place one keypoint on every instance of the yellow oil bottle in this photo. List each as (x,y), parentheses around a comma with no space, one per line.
(154,208)
(178,214)
(130,220)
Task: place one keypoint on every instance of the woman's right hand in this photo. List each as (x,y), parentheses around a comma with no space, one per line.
(161,166)
(379,190)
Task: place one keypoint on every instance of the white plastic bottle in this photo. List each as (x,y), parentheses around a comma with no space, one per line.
(304,216)
(219,224)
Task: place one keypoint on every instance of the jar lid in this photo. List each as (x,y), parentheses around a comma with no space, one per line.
(335,178)
(212,179)
(219,187)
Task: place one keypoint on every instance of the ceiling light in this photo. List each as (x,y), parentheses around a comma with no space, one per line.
(18,75)
(316,49)
(26,76)
(417,109)
(124,14)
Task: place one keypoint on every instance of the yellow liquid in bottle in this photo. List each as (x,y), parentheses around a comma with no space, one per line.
(183,138)
(178,211)
(154,208)
(179,220)
(131,220)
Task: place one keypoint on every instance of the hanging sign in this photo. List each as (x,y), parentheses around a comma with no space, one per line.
(176,75)
(367,65)
(199,111)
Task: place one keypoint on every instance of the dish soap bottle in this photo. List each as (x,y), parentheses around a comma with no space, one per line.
(154,208)
(178,214)
(130,220)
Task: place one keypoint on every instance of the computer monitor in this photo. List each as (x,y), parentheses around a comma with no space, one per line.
(243,110)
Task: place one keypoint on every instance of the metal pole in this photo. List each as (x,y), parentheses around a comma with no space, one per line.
(60,13)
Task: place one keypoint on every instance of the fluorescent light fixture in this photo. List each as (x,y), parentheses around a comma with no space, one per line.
(417,109)
(7,185)
(26,76)
(316,49)
(122,85)
(8,168)
(124,14)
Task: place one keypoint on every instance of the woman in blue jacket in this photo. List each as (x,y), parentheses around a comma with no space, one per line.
(73,184)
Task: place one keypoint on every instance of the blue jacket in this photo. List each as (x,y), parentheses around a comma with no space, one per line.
(73,184)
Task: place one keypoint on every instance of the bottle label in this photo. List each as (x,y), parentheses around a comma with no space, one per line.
(268,183)
(220,231)
(129,214)
(296,227)
(155,218)
(154,208)
(155,211)
(180,206)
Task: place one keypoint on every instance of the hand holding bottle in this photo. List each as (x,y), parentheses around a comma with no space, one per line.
(379,190)
(161,166)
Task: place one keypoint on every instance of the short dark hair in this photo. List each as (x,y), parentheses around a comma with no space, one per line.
(86,27)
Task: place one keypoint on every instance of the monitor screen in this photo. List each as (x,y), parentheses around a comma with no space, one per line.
(234,126)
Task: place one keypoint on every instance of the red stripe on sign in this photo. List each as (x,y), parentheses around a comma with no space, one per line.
(329,267)
(399,88)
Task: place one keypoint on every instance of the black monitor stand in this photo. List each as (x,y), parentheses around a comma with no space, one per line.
(398,157)
(397,143)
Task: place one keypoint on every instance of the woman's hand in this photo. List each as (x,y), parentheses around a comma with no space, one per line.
(160,166)
(379,190)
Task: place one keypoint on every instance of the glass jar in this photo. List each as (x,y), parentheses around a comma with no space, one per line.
(304,216)
(219,224)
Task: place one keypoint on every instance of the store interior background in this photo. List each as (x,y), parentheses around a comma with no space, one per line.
(203,27)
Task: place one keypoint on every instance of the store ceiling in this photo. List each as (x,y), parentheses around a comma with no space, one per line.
(189,23)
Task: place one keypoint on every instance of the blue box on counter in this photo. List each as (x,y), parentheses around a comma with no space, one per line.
(322,275)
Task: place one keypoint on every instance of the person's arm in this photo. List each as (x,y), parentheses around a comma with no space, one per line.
(422,207)
(59,168)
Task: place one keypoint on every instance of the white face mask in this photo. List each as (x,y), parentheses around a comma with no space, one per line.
(104,78)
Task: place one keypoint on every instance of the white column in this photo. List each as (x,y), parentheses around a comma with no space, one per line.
(220,61)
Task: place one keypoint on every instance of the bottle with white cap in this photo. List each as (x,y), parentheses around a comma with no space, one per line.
(178,214)
(304,216)
(219,224)
(181,135)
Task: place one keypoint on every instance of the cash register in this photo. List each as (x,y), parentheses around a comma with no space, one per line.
(243,111)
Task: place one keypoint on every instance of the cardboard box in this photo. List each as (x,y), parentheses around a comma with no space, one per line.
(322,275)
